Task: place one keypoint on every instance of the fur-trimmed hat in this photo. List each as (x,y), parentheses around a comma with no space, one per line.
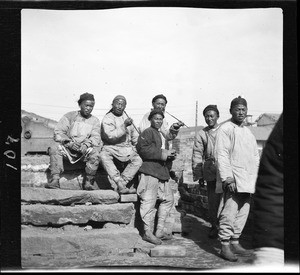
(238,100)
(120,97)
(159,96)
(154,112)
(211,108)
(85,96)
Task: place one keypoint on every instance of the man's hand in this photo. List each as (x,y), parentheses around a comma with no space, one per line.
(171,154)
(75,146)
(83,148)
(229,184)
(65,141)
(128,121)
(201,182)
(177,125)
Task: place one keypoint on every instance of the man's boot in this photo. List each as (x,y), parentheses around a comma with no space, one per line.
(239,250)
(89,183)
(149,237)
(161,234)
(54,182)
(227,254)
(122,189)
(132,190)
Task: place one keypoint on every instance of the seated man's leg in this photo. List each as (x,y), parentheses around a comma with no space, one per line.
(107,161)
(135,162)
(92,164)
(56,166)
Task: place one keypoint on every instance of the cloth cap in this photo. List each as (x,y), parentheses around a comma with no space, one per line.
(159,96)
(85,96)
(211,108)
(154,112)
(238,100)
(120,97)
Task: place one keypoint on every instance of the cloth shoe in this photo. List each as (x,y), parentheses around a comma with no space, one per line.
(149,237)
(54,183)
(122,189)
(161,234)
(239,250)
(227,254)
(132,190)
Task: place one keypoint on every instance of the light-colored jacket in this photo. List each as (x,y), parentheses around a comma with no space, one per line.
(83,130)
(203,160)
(237,157)
(167,133)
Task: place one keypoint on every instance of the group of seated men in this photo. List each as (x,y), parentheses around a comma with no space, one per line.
(145,152)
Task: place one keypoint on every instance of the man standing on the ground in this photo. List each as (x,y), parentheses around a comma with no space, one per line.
(119,140)
(77,136)
(203,164)
(237,160)
(154,179)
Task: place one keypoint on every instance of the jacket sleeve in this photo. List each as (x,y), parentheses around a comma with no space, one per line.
(94,139)
(61,129)
(169,133)
(223,149)
(268,207)
(197,157)
(148,149)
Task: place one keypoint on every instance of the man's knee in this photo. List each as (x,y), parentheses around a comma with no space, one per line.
(53,150)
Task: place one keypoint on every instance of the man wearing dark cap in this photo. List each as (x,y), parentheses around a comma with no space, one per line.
(168,133)
(203,163)
(119,138)
(77,136)
(153,184)
(237,160)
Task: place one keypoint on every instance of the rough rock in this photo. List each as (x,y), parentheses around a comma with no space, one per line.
(43,215)
(67,197)
(40,247)
(168,251)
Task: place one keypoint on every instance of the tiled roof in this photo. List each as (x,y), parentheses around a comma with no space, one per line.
(261,133)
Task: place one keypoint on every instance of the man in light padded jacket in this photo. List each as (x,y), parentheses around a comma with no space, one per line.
(119,138)
(77,136)
(203,164)
(237,160)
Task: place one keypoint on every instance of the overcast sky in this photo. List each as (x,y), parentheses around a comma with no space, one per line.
(187,54)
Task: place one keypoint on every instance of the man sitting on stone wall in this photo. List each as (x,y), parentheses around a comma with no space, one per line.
(119,138)
(77,136)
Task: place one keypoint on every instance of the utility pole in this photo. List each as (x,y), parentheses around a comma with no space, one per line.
(196,118)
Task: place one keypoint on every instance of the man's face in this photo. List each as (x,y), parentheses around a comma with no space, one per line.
(86,107)
(239,113)
(156,121)
(211,118)
(159,103)
(118,107)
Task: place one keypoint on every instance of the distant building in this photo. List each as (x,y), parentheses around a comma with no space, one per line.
(267,119)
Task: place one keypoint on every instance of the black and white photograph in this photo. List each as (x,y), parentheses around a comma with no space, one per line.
(148,138)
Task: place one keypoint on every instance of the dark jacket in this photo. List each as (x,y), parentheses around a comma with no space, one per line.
(154,157)
(268,208)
